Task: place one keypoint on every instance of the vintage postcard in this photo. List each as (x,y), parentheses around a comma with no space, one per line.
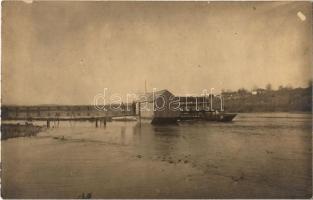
(156,100)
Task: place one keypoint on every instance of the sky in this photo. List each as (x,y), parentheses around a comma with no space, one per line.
(68,52)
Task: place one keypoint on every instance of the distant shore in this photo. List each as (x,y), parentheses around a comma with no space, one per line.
(298,100)
(291,112)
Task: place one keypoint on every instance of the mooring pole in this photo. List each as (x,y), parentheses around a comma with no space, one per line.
(139,112)
(222,104)
(211,103)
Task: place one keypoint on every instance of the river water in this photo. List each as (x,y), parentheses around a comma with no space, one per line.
(264,155)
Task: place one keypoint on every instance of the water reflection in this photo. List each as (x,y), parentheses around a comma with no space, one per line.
(252,157)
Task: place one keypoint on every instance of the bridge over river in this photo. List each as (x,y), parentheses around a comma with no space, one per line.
(57,113)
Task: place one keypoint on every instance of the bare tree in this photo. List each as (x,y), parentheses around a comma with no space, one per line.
(268,87)
(281,87)
(242,91)
(310,83)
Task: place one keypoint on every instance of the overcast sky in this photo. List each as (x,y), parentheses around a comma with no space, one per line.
(67,52)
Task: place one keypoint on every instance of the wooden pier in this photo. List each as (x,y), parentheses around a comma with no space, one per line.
(55,114)
(99,120)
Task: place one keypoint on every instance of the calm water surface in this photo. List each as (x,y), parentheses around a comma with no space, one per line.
(264,155)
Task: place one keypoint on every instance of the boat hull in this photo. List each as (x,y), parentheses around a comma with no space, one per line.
(226,117)
(207,116)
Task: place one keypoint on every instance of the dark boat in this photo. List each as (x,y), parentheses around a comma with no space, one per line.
(226,117)
(207,116)
(219,116)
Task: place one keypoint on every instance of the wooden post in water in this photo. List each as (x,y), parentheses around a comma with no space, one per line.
(96,123)
(48,123)
(104,122)
(139,113)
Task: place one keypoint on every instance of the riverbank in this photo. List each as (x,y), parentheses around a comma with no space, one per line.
(19,130)
(287,100)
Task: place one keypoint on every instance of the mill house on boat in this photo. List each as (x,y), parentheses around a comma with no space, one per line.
(163,107)
(158,106)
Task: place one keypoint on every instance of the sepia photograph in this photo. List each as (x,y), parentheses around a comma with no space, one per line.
(156,99)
